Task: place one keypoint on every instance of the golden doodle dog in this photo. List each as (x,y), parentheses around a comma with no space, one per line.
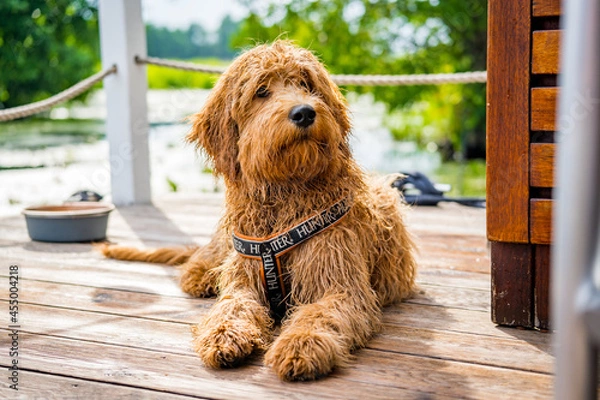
(306,239)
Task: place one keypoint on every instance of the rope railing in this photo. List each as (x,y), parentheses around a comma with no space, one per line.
(182,65)
(406,80)
(356,80)
(46,104)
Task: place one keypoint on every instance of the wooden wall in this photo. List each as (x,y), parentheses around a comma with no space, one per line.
(523,63)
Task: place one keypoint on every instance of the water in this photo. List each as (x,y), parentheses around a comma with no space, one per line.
(46,161)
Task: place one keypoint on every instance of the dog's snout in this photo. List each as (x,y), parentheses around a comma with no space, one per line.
(302,115)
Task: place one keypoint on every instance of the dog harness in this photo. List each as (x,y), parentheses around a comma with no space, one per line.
(270,249)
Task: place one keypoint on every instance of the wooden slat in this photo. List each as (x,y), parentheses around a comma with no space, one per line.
(546,8)
(461,347)
(177,373)
(122,329)
(541,221)
(542,287)
(541,164)
(75,269)
(512,284)
(186,310)
(509,27)
(140,333)
(373,374)
(545,52)
(35,385)
(414,315)
(457,321)
(463,298)
(543,109)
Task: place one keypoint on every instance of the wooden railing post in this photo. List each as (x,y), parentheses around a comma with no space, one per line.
(122,37)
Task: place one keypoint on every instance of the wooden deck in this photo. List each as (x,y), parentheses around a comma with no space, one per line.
(96,328)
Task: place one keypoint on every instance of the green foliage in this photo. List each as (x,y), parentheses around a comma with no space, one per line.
(392,37)
(192,42)
(48,45)
(168,78)
(45,47)
(466,178)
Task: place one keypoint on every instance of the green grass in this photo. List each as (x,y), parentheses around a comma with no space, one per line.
(467,179)
(168,78)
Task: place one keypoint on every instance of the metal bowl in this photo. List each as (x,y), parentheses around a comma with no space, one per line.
(68,222)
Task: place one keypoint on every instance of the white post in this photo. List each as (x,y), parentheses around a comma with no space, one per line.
(122,37)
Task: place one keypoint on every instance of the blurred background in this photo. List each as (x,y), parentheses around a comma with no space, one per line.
(49,45)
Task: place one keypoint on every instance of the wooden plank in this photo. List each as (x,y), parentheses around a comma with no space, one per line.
(457,252)
(102,326)
(483,350)
(457,321)
(541,221)
(76,267)
(545,52)
(546,8)
(543,298)
(104,275)
(123,303)
(541,164)
(166,284)
(432,275)
(177,373)
(448,219)
(186,310)
(462,298)
(373,374)
(469,315)
(115,326)
(149,334)
(512,284)
(36,385)
(108,328)
(509,31)
(128,326)
(543,109)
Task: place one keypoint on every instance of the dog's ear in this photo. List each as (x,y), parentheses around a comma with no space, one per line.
(340,104)
(215,131)
(332,95)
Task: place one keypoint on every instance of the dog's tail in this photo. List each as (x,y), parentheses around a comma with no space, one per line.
(165,255)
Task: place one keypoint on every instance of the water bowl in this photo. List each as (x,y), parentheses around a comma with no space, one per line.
(68,222)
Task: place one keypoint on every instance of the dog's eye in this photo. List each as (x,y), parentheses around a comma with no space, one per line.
(306,86)
(262,92)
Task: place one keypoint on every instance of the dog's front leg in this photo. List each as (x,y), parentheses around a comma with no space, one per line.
(237,324)
(320,335)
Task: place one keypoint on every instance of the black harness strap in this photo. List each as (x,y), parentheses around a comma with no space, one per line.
(269,250)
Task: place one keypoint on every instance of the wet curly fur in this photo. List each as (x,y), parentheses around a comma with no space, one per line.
(277,174)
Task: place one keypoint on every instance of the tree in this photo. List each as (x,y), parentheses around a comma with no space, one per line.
(45,47)
(392,37)
(193,42)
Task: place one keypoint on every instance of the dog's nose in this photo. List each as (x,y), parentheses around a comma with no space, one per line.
(302,115)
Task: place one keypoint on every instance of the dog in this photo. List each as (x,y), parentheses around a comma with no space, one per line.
(307,239)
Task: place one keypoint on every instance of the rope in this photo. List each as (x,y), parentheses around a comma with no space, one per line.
(43,105)
(186,66)
(406,80)
(358,80)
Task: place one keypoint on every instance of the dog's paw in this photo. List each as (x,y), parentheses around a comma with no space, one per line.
(197,282)
(305,356)
(227,344)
